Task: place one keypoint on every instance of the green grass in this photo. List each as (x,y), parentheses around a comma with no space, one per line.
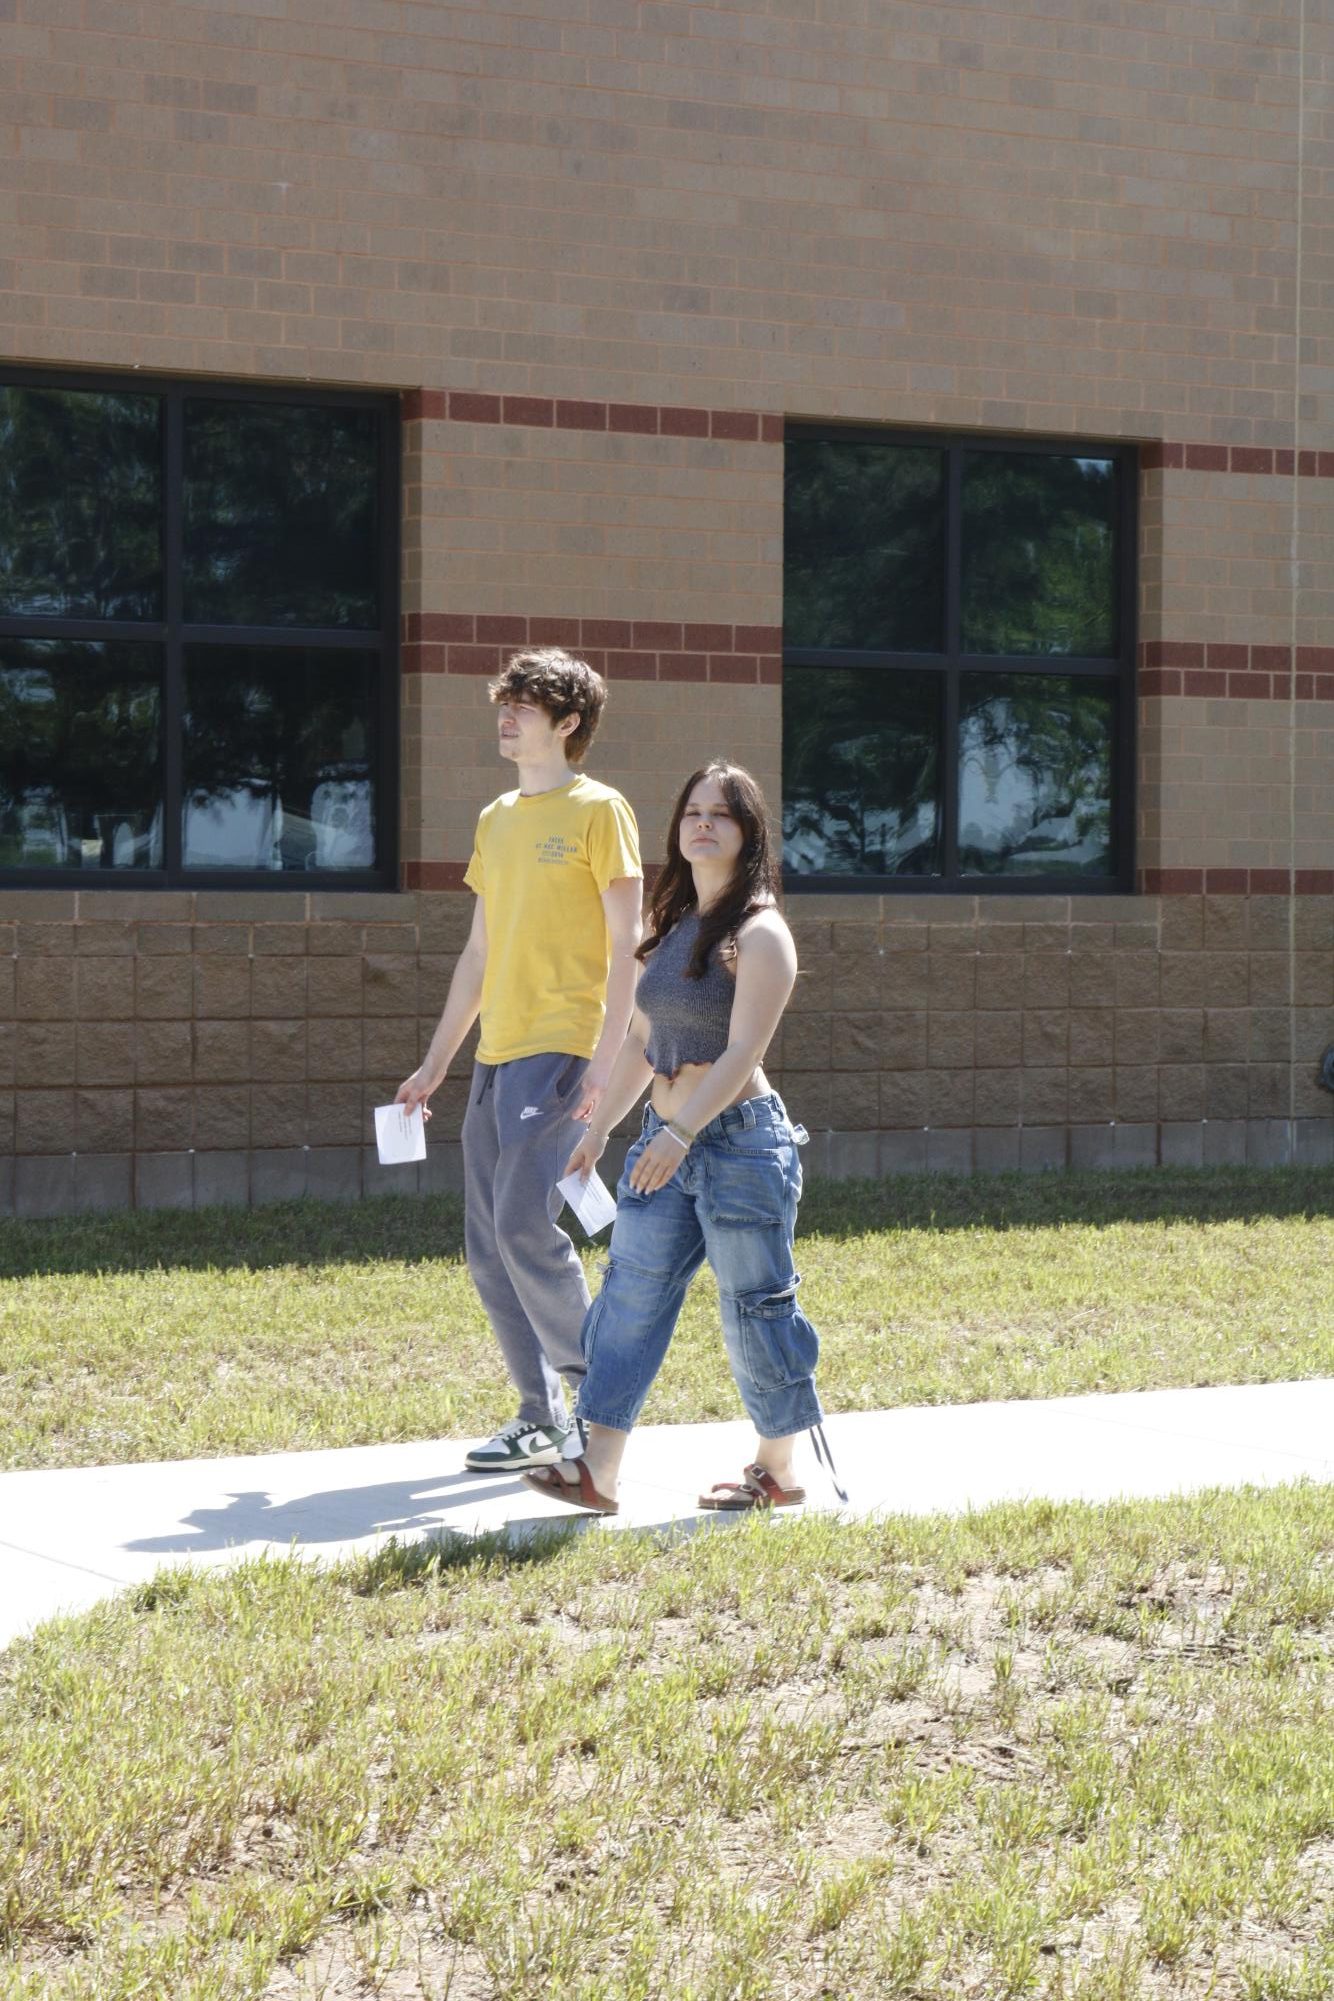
(1065,1752)
(169,1335)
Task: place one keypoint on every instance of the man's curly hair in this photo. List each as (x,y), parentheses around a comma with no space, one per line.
(561,685)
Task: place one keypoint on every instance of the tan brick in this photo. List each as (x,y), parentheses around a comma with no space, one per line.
(335,1116)
(334,986)
(949,1098)
(278,986)
(1225,1092)
(998,1040)
(222,1116)
(156,940)
(393,1047)
(1046,1040)
(1091,1096)
(278,1051)
(1044,1097)
(335,1053)
(163,1120)
(105,989)
(45,989)
(1046,977)
(1267,1088)
(1226,1035)
(1181,1091)
(806,1042)
(103,1120)
(906,983)
(278,1115)
(44,1053)
(221,988)
(903,1100)
(105,938)
(163,988)
(950,1039)
(232,940)
(1000,981)
(997,1097)
(221,1051)
(163,1052)
(1137,979)
(951,979)
(902,1039)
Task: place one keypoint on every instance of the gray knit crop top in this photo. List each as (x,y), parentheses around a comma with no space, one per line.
(688,1019)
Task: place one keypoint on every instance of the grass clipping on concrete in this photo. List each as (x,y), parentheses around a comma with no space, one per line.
(1080,1754)
(168,1336)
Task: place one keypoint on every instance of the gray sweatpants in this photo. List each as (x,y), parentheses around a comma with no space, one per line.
(517,1137)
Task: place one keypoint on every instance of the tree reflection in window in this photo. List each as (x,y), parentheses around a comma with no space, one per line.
(280,507)
(279,760)
(1035,775)
(1039,554)
(861,758)
(80,783)
(864,561)
(80,504)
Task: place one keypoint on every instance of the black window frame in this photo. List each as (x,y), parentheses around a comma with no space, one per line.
(951,662)
(174,635)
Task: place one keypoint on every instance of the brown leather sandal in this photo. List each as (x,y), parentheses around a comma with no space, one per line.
(755,1489)
(546,1480)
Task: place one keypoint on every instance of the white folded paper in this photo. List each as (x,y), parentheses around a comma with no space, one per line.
(591,1201)
(400,1134)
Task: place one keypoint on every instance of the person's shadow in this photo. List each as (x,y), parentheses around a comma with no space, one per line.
(339,1514)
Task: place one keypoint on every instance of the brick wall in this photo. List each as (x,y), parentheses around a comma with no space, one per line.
(604,247)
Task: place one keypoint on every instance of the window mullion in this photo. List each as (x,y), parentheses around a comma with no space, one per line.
(949,748)
(174,680)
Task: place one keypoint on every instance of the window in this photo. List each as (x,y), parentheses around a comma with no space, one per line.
(198,620)
(958,649)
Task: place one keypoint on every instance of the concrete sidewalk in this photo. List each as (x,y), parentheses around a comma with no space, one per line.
(68,1539)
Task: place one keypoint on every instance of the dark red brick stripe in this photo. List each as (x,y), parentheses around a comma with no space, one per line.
(449,875)
(434,875)
(623,649)
(1152,881)
(558,413)
(1238,673)
(676,420)
(1237,881)
(1166,457)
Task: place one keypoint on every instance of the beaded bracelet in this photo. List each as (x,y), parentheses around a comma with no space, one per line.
(683,1137)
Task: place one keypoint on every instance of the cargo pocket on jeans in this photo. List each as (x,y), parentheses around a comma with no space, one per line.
(745,1189)
(778,1343)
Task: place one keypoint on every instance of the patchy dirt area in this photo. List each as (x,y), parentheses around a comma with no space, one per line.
(808,1771)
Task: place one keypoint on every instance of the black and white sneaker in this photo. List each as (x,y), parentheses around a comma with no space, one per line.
(517,1446)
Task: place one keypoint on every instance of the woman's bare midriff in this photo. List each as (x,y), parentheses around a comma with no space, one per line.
(669,1094)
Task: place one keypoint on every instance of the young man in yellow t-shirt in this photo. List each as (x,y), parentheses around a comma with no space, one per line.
(550,966)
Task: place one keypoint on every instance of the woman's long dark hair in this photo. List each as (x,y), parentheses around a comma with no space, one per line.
(755,879)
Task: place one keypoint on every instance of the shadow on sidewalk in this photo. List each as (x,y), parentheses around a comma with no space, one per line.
(396,1508)
(338,1514)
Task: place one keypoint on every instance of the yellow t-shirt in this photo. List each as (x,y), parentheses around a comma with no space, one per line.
(542,863)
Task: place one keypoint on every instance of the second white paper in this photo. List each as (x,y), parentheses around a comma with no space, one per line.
(591,1200)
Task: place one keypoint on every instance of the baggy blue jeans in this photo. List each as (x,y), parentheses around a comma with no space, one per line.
(733,1200)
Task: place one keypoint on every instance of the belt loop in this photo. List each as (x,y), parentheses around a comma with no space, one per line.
(747,1111)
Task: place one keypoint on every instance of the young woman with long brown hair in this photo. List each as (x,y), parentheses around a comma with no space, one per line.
(715,1171)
